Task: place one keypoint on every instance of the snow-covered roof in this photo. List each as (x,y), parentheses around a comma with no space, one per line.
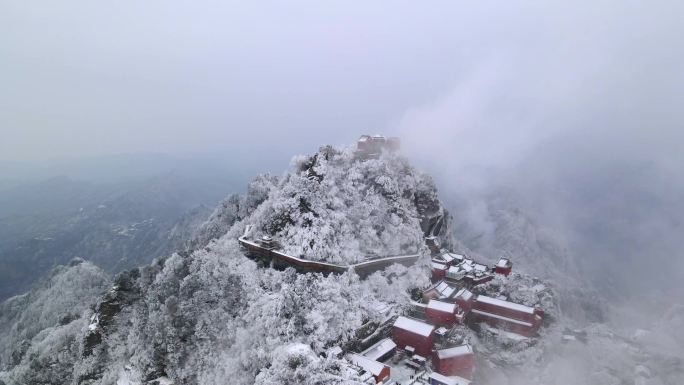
(455,272)
(445,290)
(465,294)
(455,351)
(480,267)
(500,317)
(451,256)
(441,306)
(451,380)
(371,366)
(506,304)
(467,267)
(414,326)
(479,275)
(437,265)
(503,262)
(379,349)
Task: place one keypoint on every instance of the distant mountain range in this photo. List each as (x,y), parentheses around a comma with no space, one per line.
(117,225)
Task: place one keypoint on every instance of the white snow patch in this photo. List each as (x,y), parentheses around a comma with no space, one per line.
(414,326)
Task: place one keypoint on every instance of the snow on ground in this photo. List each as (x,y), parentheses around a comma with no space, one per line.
(401,373)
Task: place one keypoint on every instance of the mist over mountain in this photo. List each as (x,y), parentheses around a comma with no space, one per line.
(121,217)
(152,231)
(184,314)
(605,216)
(210,313)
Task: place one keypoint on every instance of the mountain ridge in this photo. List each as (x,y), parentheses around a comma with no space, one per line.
(208,313)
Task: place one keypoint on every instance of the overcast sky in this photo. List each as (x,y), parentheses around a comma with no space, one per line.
(218,77)
(83,77)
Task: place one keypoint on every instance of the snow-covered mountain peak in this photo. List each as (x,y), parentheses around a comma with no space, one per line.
(339,206)
(210,315)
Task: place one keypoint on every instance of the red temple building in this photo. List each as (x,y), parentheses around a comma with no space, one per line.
(520,319)
(440,290)
(465,299)
(378,370)
(504,266)
(456,361)
(441,313)
(411,332)
(439,271)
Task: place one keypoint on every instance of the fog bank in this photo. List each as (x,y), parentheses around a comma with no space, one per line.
(578,118)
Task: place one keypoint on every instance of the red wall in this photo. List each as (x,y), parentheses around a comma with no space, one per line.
(504,311)
(384,374)
(438,274)
(524,330)
(455,366)
(478,280)
(465,305)
(422,344)
(439,317)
